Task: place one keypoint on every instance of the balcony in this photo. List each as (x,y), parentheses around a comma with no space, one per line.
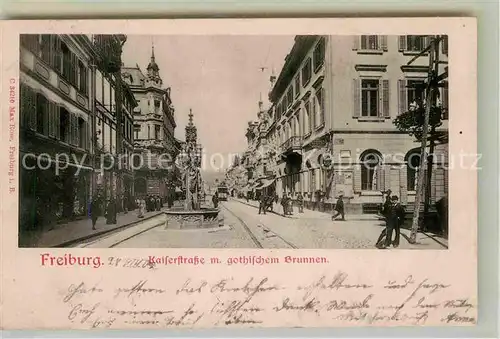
(292,145)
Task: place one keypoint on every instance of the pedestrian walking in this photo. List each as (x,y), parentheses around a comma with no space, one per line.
(141,206)
(95,210)
(270,202)
(263,203)
(215,200)
(300,202)
(158,203)
(339,208)
(289,204)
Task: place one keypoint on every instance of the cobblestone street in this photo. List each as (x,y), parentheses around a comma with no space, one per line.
(245,228)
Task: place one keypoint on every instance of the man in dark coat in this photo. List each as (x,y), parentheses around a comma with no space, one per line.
(284,203)
(263,203)
(95,210)
(339,208)
(215,200)
(300,202)
(395,218)
(111,212)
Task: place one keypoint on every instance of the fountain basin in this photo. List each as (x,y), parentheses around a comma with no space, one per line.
(202,218)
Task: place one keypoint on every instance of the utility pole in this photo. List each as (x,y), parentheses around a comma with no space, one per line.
(433,49)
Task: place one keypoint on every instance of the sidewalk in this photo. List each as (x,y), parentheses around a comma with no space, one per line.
(308,214)
(65,234)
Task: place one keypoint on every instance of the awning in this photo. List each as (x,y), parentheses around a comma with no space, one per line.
(51,96)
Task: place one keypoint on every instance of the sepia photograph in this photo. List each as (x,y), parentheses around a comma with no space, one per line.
(227,141)
(256,173)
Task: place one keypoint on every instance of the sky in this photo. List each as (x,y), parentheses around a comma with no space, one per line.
(218,77)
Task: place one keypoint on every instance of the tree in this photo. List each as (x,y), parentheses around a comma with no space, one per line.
(412,122)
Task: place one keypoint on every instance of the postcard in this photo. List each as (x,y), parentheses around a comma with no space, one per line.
(239,173)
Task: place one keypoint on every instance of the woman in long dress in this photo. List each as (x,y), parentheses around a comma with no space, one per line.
(140,209)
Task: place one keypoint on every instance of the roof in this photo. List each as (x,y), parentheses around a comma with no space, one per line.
(133,76)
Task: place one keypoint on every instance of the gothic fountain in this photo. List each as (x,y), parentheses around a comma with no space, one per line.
(192,215)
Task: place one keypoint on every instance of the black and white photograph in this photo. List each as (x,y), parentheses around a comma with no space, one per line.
(234,141)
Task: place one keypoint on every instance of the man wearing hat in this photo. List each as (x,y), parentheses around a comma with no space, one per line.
(339,208)
(395,218)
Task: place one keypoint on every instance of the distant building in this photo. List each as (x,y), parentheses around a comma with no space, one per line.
(154,128)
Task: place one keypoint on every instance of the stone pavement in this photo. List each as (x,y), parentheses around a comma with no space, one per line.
(79,230)
(308,214)
(314,229)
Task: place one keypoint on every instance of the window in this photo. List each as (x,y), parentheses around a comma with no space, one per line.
(413,165)
(306,72)
(411,93)
(82,78)
(319,54)
(46,48)
(64,125)
(413,43)
(289,96)
(370,164)
(42,106)
(369,97)
(369,42)
(66,62)
(31,42)
(297,85)
(308,120)
(444,45)
(137,129)
(415,91)
(82,138)
(157,132)
(99,87)
(320,107)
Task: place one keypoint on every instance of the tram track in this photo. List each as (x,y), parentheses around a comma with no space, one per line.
(252,235)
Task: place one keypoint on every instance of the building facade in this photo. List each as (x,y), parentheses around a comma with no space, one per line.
(335,101)
(154,128)
(59,102)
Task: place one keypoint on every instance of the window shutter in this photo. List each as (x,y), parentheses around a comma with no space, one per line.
(57,122)
(382,42)
(72,128)
(444,101)
(56,53)
(52,122)
(380,178)
(385,99)
(323,107)
(313,110)
(356,97)
(444,45)
(22,103)
(427,40)
(355,42)
(46,117)
(74,70)
(357,178)
(402,43)
(403,185)
(403,105)
(32,109)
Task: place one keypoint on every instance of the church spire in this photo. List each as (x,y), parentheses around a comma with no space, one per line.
(153,69)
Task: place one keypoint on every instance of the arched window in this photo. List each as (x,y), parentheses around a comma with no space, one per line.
(412,160)
(370,164)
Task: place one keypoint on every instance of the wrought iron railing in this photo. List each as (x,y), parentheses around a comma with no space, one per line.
(292,143)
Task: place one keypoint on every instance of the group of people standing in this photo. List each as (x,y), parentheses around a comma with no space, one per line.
(149,203)
(394,215)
